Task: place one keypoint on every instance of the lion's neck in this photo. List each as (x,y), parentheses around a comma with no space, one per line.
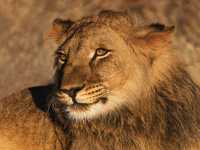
(111,132)
(167,118)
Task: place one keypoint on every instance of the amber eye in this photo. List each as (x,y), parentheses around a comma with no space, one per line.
(101,52)
(62,58)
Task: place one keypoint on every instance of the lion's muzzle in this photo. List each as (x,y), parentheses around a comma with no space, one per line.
(82,94)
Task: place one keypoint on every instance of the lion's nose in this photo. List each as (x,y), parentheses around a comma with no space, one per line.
(72,91)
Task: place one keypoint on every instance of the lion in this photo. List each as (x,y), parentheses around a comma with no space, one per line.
(117,86)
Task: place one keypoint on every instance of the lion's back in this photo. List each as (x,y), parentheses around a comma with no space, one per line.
(24,122)
(20,108)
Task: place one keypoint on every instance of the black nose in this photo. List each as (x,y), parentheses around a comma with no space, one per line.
(72,91)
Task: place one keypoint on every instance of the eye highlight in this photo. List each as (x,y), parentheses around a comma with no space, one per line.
(100,52)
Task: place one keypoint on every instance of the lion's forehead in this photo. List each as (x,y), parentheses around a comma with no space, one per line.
(91,37)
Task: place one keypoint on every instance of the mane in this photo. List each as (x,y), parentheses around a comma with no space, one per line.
(167,117)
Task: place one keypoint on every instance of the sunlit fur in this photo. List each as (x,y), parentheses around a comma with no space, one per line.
(151,101)
(116,84)
(136,97)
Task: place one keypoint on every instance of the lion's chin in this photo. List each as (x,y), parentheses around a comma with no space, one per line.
(82,111)
(78,107)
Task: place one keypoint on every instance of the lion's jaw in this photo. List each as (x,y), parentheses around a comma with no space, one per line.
(108,103)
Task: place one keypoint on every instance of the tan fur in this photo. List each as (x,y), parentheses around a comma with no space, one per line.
(135,96)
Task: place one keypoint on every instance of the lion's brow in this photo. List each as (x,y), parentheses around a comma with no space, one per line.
(74,30)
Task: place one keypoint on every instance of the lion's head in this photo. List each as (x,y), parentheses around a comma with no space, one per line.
(104,62)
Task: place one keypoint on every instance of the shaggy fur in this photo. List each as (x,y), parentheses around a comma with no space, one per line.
(161,109)
(167,119)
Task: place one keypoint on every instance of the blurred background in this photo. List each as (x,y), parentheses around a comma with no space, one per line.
(26,59)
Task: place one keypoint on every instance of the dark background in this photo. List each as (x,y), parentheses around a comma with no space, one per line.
(26,59)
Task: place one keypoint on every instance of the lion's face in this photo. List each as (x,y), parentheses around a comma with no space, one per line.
(97,72)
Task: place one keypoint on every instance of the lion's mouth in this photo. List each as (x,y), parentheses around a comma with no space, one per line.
(82,106)
(76,106)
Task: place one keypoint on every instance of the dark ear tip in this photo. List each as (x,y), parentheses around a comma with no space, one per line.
(62,22)
(161,27)
(157,26)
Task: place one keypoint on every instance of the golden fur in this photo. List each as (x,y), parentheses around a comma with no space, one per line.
(117,86)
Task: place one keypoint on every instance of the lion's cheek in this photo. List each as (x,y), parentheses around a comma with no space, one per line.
(112,74)
(117,80)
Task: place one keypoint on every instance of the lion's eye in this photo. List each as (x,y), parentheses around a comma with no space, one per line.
(62,58)
(101,52)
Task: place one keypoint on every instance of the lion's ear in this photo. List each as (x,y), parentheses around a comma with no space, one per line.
(59,29)
(159,36)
